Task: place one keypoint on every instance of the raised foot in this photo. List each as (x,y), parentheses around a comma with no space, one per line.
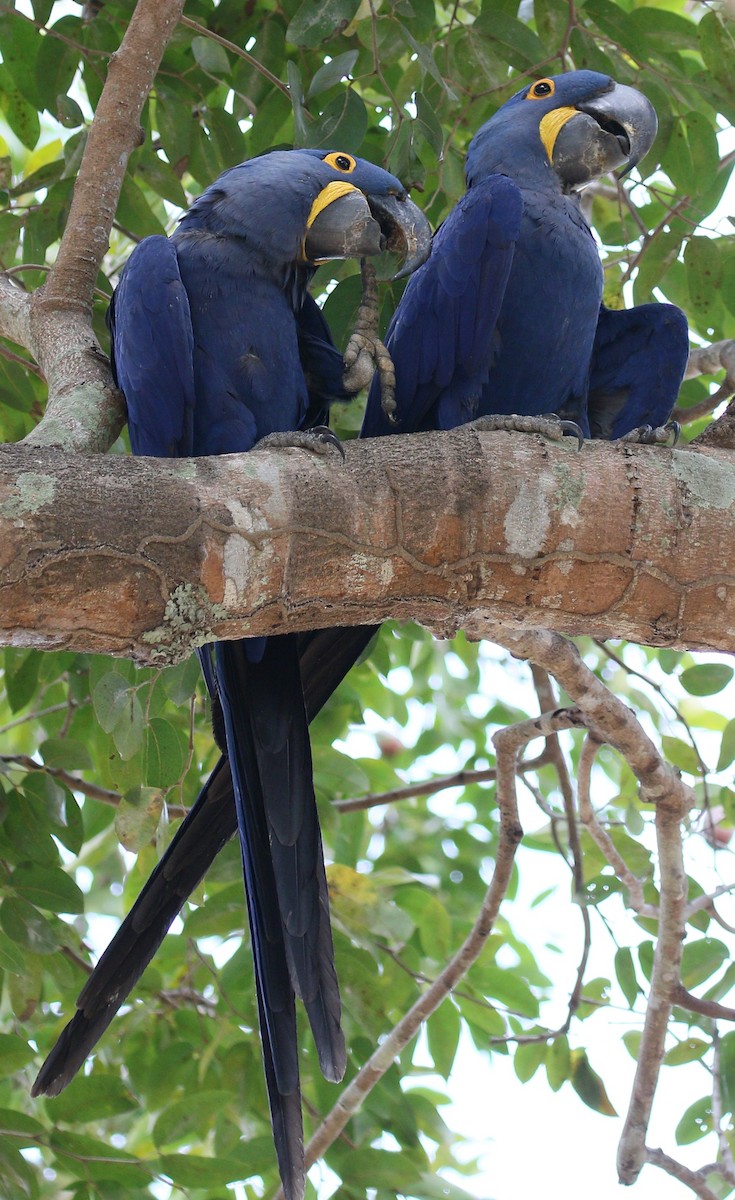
(646,435)
(318,440)
(365,353)
(548,425)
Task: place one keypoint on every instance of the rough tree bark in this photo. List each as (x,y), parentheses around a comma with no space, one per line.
(148,558)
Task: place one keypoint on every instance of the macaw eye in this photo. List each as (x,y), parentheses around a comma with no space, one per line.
(342,162)
(544,87)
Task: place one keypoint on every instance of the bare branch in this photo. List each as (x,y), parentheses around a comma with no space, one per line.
(85,410)
(602,838)
(428,787)
(708,1008)
(548,700)
(726,1160)
(694,1180)
(632,1153)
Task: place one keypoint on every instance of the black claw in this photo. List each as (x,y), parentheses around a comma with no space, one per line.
(324,434)
(573,429)
(675,429)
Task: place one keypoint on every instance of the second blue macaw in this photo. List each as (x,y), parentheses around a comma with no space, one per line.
(506,316)
(218,348)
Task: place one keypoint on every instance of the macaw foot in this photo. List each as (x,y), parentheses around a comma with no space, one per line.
(318,440)
(365,352)
(548,425)
(646,435)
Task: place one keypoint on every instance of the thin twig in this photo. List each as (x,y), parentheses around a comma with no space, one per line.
(602,838)
(238,50)
(693,1179)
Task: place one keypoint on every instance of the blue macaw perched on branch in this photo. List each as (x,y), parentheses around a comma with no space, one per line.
(218,347)
(506,316)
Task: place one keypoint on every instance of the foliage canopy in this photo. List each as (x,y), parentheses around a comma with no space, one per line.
(176,1092)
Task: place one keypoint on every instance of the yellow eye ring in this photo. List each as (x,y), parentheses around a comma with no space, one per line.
(341,161)
(541,90)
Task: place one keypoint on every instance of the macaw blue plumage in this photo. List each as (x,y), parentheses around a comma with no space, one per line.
(506,315)
(217,345)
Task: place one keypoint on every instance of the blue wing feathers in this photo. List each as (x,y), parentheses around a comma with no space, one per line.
(440,337)
(638,360)
(153,350)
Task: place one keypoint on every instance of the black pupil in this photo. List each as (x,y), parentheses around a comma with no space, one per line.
(343,162)
(542,89)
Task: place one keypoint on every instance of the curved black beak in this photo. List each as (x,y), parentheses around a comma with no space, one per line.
(405,229)
(356,225)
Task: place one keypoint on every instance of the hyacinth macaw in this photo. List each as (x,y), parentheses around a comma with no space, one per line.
(218,346)
(506,316)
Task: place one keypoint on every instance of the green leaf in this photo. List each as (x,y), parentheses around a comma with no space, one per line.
(48,887)
(197,1171)
(518,44)
(19,1124)
(717,46)
(443,1029)
(21,43)
(21,116)
(110,699)
(93,1098)
(696,1122)
(332,72)
(15,1053)
(180,1120)
(528,1058)
(134,212)
(21,676)
(558,1062)
(342,124)
(690,1050)
(210,56)
(57,62)
(727,1071)
(137,816)
(692,154)
(164,753)
(681,754)
(706,679)
(588,1085)
(19,1180)
(68,112)
(625,974)
(509,989)
(65,754)
(427,124)
(98,1160)
(123,714)
(11,958)
(316,20)
(26,926)
(701,959)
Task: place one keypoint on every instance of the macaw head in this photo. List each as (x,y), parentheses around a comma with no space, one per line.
(573,127)
(301,207)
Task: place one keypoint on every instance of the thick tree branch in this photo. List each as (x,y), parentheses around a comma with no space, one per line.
(147,559)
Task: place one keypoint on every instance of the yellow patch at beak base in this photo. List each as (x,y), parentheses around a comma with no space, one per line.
(327,196)
(551,125)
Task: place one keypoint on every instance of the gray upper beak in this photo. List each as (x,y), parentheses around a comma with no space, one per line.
(405,228)
(360,226)
(629,117)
